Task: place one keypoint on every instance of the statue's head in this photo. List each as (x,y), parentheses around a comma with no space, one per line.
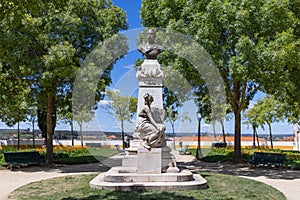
(148,98)
(151,34)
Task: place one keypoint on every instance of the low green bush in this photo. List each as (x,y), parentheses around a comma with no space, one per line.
(226,154)
(66,155)
(1,158)
(219,155)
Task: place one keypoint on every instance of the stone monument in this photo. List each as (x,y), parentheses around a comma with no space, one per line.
(150,127)
(149,164)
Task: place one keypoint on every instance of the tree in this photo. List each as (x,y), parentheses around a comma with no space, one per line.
(281,78)
(231,31)
(15,99)
(173,115)
(218,117)
(227,117)
(45,42)
(66,116)
(174,96)
(121,107)
(81,117)
(32,117)
(265,111)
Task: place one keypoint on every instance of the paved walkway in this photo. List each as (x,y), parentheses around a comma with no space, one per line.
(287,181)
(11,180)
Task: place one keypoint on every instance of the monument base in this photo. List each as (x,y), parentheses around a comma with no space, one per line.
(149,161)
(148,170)
(126,179)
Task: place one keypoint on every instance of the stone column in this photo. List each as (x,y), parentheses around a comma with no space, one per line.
(150,77)
(155,160)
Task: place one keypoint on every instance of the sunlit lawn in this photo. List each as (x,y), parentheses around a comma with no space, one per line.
(77,187)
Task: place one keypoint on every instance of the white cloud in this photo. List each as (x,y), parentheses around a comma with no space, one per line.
(115,90)
(128,67)
(104,102)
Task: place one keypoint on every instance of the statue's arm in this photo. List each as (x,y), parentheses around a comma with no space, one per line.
(143,49)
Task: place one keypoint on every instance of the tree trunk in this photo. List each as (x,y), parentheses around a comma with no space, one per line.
(122,127)
(33,136)
(199,154)
(72,132)
(257,139)
(50,128)
(81,136)
(18,135)
(253,137)
(173,131)
(223,132)
(271,137)
(42,123)
(214,131)
(237,157)
(237,97)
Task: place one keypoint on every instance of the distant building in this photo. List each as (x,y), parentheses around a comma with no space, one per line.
(111,137)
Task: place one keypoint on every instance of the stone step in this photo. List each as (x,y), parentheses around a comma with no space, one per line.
(129,161)
(198,182)
(118,177)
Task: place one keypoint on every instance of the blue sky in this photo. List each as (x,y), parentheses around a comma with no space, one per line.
(123,79)
(123,73)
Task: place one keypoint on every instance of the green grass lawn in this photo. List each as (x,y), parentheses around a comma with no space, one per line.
(88,155)
(77,188)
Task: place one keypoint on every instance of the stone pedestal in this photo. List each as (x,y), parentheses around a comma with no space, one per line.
(127,178)
(168,161)
(150,77)
(129,161)
(149,161)
(157,160)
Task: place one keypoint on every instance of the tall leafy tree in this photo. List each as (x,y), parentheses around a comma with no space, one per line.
(14,98)
(172,115)
(213,118)
(66,116)
(32,119)
(265,111)
(45,42)
(221,117)
(280,59)
(81,117)
(122,108)
(232,32)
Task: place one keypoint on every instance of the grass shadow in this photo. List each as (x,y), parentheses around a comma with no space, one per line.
(150,195)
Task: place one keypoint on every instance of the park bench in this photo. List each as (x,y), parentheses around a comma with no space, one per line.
(266,158)
(22,158)
(98,145)
(219,144)
(121,151)
(183,151)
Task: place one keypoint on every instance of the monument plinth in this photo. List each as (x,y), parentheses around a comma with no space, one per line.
(149,162)
(149,165)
